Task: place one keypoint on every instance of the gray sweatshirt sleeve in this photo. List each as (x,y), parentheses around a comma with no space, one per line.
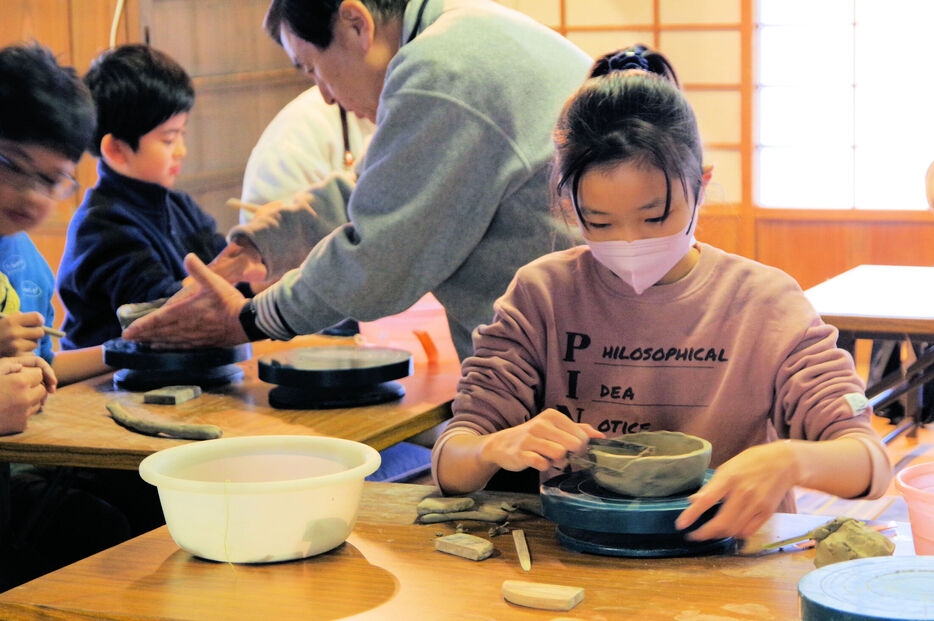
(432,182)
(285,234)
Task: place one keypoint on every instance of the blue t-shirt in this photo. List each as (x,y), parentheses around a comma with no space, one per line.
(26,283)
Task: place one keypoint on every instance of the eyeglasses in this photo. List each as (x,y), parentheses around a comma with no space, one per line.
(57,189)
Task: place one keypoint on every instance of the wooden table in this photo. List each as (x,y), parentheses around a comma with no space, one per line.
(882,302)
(75,429)
(878,301)
(388,569)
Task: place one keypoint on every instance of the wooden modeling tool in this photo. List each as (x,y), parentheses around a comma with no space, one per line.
(238,204)
(540,595)
(48,330)
(522,549)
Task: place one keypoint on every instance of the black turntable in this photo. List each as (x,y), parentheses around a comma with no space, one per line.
(334,377)
(143,368)
(593,519)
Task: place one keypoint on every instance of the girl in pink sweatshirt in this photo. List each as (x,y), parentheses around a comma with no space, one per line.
(644,328)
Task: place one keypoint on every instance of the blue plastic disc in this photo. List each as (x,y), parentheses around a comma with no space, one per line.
(576,500)
(890,588)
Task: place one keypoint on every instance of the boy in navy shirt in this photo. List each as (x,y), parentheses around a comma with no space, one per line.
(127,240)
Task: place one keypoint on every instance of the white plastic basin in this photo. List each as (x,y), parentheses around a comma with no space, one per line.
(260,499)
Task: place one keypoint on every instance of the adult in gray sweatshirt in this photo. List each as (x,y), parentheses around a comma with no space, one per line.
(452,196)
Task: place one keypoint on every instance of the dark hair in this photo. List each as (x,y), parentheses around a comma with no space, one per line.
(136,89)
(629,111)
(43,103)
(313,20)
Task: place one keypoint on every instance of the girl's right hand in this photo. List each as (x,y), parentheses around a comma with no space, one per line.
(20,333)
(541,443)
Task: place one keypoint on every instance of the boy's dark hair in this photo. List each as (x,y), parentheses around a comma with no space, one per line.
(43,103)
(631,109)
(136,89)
(313,20)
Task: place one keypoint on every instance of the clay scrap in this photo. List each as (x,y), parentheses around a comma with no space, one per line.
(151,427)
(466,546)
(450,504)
(844,539)
(455,508)
(172,395)
(128,313)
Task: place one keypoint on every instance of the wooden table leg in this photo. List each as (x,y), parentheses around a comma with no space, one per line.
(846,340)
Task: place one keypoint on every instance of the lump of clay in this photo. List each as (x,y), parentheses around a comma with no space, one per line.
(851,539)
(821,532)
(128,313)
(676,463)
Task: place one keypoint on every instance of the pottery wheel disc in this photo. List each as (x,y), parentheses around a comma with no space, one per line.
(593,519)
(122,354)
(334,367)
(576,500)
(147,379)
(895,588)
(644,546)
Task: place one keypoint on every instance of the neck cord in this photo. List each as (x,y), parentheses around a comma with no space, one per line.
(418,21)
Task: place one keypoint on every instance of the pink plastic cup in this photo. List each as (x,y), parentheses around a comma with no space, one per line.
(916,484)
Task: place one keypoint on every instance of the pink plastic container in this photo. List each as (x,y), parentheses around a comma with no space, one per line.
(916,484)
(400,331)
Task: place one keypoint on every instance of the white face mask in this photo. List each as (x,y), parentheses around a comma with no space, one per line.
(643,262)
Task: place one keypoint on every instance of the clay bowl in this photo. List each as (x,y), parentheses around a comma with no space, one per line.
(677,464)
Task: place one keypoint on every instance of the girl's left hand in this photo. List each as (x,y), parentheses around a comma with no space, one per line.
(751,486)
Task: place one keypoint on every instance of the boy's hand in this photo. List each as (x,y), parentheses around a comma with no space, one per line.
(209,317)
(541,443)
(22,392)
(20,333)
(751,485)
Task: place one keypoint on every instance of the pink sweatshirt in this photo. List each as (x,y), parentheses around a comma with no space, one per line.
(733,353)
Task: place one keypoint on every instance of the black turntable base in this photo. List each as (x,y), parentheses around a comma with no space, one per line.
(334,377)
(144,368)
(598,521)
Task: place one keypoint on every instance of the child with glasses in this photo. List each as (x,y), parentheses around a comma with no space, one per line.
(46,122)
(128,237)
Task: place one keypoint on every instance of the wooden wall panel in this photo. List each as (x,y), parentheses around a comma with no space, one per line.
(239,86)
(720,230)
(815,251)
(45,21)
(213,37)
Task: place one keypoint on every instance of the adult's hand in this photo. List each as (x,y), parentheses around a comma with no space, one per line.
(20,333)
(22,392)
(207,318)
(240,261)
